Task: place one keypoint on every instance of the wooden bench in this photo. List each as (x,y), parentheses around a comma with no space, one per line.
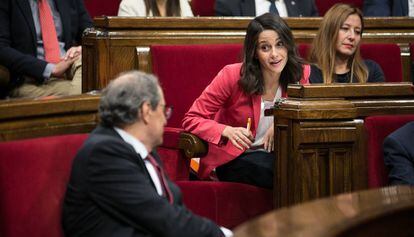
(110,47)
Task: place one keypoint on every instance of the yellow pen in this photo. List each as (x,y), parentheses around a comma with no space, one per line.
(249,123)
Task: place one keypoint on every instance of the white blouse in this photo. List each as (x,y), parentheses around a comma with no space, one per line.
(138,8)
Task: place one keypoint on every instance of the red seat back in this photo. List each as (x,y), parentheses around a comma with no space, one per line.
(203,7)
(324,5)
(33,178)
(377,129)
(185,71)
(102,7)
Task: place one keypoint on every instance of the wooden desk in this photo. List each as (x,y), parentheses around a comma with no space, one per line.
(319,137)
(27,118)
(381,213)
(110,47)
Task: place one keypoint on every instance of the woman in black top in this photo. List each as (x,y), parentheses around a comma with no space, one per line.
(339,60)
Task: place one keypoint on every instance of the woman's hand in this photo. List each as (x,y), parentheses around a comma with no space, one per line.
(268,139)
(239,136)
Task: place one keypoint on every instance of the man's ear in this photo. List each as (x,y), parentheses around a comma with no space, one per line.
(145,112)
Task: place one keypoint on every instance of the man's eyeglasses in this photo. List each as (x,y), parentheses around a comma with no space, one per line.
(168,109)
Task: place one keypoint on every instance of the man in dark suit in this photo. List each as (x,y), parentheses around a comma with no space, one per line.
(386,8)
(292,8)
(117,186)
(22,47)
(399,155)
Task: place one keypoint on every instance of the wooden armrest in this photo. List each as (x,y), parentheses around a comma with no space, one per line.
(4,76)
(192,145)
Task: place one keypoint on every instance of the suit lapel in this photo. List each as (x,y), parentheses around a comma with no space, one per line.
(248,8)
(28,16)
(64,10)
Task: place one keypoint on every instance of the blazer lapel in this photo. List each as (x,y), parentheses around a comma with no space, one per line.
(256,100)
(248,8)
(64,10)
(28,16)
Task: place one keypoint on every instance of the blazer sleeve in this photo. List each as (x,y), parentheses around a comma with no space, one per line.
(14,60)
(377,8)
(399,162)
(222,8)
(119,184)
(132,8)
(186,8)
(85,20)
(200,117)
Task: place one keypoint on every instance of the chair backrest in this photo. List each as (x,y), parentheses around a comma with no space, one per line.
(33,177)
(388,56)
(377,129)
(102,7)
(203,7)
(324,5)
(184,71)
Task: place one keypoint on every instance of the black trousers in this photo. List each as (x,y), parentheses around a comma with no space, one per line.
(255,168)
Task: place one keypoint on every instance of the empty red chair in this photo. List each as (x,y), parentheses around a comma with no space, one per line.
(102,7)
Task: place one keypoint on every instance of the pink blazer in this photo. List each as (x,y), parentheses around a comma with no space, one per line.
(223,103)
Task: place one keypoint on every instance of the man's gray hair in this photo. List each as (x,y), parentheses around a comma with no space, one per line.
(123,97)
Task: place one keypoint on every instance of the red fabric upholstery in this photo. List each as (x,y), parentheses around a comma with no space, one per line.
(102,7)
(324,5)
(377,129)
(412,52)
(193,69)
(388,56)
(203,7)
(33,177)
(234,203)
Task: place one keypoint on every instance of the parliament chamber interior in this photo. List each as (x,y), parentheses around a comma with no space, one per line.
(329,176)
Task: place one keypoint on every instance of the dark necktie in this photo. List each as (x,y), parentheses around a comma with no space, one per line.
(166,190)
(272,8)
(49,35)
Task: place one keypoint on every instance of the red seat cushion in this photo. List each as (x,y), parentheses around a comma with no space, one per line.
(33,177)
(377,129)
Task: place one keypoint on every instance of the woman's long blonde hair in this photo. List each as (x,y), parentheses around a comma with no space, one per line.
(323,51)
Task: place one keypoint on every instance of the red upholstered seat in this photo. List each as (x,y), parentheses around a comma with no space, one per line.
(33,177)
(388,56)
(377,129)
(324,5)
(193,68)
(203,7)
(102,7)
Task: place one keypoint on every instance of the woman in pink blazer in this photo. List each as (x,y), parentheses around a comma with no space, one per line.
(240,92)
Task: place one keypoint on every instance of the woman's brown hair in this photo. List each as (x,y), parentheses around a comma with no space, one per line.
(251,80)
(323,51)
(173,7)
